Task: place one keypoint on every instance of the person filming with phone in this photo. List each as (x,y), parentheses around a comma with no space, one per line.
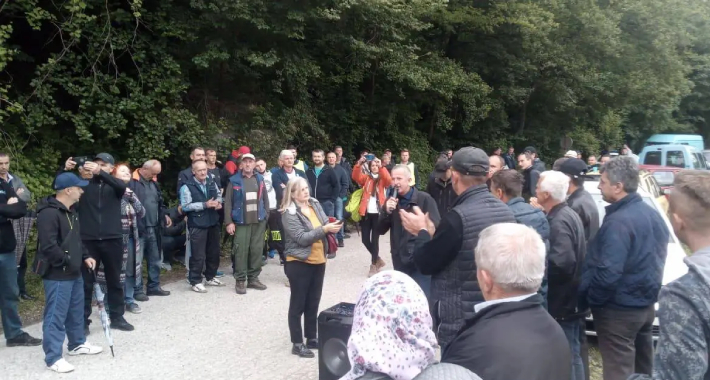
(99,210)
(374,180)
(405,198)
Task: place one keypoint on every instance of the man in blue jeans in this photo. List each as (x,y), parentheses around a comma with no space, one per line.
(344,180)
(145,185)
(59,259)
(11,207)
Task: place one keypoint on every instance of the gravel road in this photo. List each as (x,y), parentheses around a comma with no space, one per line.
(218,335)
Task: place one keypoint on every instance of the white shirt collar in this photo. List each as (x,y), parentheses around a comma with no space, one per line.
(485,304)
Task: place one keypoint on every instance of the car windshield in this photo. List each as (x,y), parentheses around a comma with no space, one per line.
(601,206)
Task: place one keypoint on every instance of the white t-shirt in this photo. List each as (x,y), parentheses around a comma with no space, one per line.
(372,205)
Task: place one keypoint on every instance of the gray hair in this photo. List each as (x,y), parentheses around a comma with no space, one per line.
(150,163)
(284,153)
(403,167)
(554,183)
(514,255)
(623,170)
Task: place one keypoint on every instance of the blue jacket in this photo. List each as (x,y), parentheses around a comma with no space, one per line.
(234,199)
(625,260)
(279,178)
(535,219)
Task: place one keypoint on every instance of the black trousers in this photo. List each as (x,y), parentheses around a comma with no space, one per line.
(21,271)
(370,237)
(276,233)
(204,252)
(173,245)
(625,341)
(306,281)
(110,253)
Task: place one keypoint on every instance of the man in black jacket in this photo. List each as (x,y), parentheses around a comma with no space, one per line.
(404,198)
(440,188)
(60,257)
(344,180)
(538,164)
(510,336)
(11,207)
(149,227)
(564,262)
(579,199)
(530,175)
(99,211)
(323,182)
(444,252)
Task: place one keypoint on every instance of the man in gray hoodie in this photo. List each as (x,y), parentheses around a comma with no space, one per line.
(684,304)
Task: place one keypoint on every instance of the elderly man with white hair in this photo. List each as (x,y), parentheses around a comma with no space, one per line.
(511,336)
(564,262)
(279,179)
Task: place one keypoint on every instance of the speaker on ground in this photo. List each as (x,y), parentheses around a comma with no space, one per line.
(334,326)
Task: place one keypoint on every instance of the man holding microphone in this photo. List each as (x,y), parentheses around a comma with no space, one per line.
(406,198)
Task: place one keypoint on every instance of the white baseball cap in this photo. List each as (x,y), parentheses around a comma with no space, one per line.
(571,154)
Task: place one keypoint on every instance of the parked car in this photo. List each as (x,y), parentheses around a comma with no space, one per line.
(674,268)
(679,156)
(664,176)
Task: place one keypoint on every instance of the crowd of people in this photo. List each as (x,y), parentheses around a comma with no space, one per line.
(493,265)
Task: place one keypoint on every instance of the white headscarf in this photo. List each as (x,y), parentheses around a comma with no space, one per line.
(392,329)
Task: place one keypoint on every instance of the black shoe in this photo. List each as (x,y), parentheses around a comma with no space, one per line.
(301,350)
(26,297)
(23,340)
(121,324)
(312,344)
(158,292)
(86,330)
(341,244)
(141,297)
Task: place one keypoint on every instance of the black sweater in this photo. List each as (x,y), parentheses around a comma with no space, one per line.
(59,240)
(326,186)
(7,213)
(100,208)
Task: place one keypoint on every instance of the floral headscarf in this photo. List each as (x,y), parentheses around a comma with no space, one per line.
(392,329)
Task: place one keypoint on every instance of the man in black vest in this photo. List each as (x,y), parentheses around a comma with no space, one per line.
(197,154)
(444,252)
(200,199)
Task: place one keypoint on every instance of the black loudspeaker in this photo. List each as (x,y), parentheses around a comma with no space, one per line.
(334,326)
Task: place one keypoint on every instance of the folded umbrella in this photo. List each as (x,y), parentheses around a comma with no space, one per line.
(105,323)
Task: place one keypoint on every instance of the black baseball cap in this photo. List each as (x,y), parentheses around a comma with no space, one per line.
(67,180)
(105,157)
(574,167)
(470,161)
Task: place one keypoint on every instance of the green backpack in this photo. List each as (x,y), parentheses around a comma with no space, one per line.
(353,206)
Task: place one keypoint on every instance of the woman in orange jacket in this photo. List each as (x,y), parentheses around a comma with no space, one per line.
(374,180)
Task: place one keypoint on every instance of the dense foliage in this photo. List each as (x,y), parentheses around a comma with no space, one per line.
(148,78)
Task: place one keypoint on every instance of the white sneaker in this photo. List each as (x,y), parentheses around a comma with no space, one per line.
(86,349)
(214,282)
(61,366)
(199,288)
